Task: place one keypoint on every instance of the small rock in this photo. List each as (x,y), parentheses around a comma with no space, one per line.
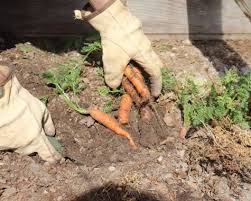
(169,120)
(172,119)
(181,153)
(111,168)
(246,192)
(3,181)
(160,159)
(119,189)
(62,161)
(184,166)
(88,121)
(168,176)
(222,189)
(193,185)
(45,192)
(74,54)
(8,192)
(6,158)
(86,80)
(53,190)
(171,54)
(35,168)
(181,174)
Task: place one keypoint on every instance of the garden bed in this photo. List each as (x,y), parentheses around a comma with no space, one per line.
(101,165)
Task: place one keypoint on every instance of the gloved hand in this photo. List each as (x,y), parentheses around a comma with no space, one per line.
(24,120)
(123,39)
(245,6)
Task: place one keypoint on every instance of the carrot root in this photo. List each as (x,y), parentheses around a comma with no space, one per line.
(111,123)
(138,73)
(138,83)
(183,133)
(131,91)
(124,109)
(137,92)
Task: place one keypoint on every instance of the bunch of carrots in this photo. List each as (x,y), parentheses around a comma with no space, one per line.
(137,92)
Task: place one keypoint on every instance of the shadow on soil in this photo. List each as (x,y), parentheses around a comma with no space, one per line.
(55,44)
(112,192)
(206,17)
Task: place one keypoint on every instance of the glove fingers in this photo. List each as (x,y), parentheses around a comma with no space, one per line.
(152,64)
(42,146)
(48,124)
(115,61)
(25,150)
(39,110)
(45,150)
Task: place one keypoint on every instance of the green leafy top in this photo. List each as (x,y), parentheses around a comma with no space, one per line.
(228,97)
(66,75)
(105,91)
(88,48)
(64,78)
(168,80)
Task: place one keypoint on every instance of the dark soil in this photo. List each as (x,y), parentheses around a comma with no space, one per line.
(100,165)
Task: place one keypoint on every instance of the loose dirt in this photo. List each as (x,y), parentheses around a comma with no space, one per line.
(100,165)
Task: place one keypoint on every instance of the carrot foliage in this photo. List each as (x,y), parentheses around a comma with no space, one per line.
(227,96)
(65,78)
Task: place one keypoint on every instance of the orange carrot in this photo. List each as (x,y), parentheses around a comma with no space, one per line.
(124,109)
(138,73)
(111,123)
(183,133)
(131,91)
(137,83)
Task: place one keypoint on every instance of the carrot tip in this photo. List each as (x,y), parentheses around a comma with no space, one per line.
(110,123)
(183,133)
(131,142)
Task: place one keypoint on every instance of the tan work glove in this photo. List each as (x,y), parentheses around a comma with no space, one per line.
(123,39)
(245,6)
(24,120)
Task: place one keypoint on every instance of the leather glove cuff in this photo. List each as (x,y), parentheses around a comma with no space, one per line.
(245,6)
(87,15)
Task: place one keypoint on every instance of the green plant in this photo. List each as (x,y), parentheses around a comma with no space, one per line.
(228,97)
(105,91)
(90,47)
(24,47)
(67,75)
(107,108)
(168,80)
(65,78)
(100,71)
(196,110)
(231,97)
